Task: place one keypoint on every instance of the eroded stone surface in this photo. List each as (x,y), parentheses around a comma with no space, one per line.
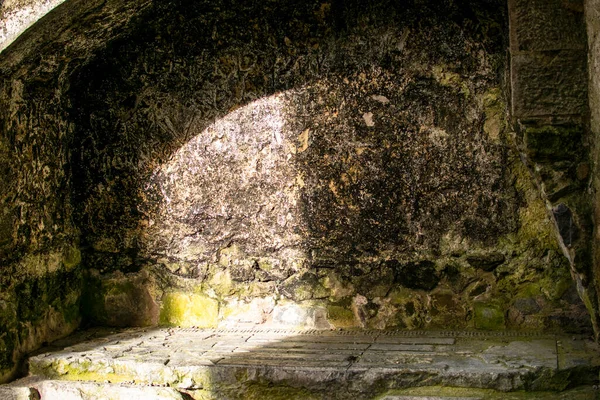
(342,159)
(547,25)
(346,363)
(592,13)
(548,84)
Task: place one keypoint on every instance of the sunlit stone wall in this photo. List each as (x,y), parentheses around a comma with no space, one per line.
(311,165)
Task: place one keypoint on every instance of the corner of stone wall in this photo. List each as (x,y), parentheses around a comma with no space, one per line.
(549,107)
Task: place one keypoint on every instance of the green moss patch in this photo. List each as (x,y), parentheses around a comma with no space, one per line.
(340,317)
(488,316)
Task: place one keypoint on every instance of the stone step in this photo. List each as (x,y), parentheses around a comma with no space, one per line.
(351,365)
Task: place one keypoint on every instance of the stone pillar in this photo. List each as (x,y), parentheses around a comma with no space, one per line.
(548,83)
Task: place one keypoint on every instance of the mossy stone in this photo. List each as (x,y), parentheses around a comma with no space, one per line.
(340,317)
(489,316)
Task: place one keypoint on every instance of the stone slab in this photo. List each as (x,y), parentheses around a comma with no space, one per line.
(348,362)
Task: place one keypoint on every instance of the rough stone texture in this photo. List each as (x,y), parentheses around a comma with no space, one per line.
(334,158)
(103,391)
(18,15)
(40,273)
(547,25)
(549,84)
(440,393)
(119,300)
(297,175)
(550,109)
(592,13)
(18,393)
(315,164)
(322,364)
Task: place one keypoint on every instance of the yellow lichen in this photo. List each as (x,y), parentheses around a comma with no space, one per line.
(189,309)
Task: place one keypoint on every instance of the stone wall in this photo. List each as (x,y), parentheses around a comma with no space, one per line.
(311,166)
(41,277)
(316,165)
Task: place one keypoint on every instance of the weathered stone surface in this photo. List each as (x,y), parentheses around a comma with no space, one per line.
(189,309)
(527,305)
(547,25)
(489,316)
(554,143)
(332,173)
(549,88)
(417,275)
(95,390)
(443,393)
(284,151)
(546,85)
(592,13)
(567,228)
(295,316)
(338,364)
(120,299)
(40,275)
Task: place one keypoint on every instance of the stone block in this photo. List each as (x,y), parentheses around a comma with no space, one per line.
(543,25)
(55,389)
(549,84)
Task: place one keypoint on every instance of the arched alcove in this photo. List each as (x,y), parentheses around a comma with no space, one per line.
(321,165)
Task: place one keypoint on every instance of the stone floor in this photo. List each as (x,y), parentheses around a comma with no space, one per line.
(284,364)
